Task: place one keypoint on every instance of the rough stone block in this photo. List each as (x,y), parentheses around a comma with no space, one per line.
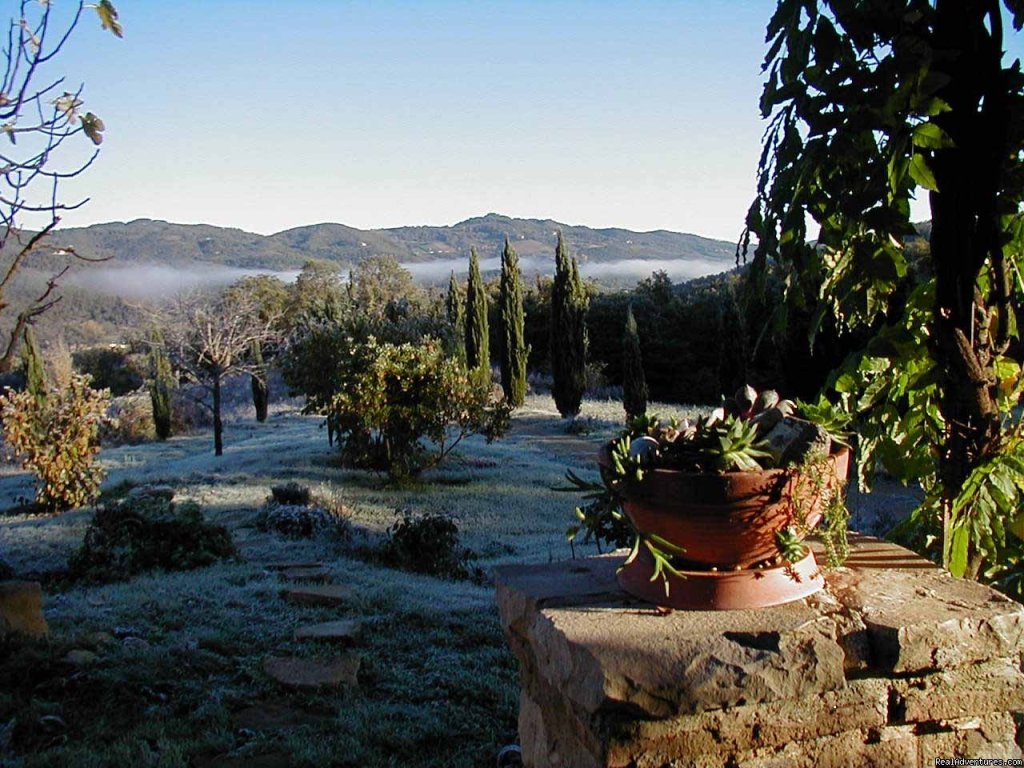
(959,692)
(21,609)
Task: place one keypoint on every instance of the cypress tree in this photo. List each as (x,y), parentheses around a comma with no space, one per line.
(514,351)
(260,388)
(35,371)
(455,309)
(478,354)
(568,333)
(160,386)
(634,385)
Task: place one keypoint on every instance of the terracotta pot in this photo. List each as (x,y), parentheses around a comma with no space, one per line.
(724,520)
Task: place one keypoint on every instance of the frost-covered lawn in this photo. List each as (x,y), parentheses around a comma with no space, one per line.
(438,686)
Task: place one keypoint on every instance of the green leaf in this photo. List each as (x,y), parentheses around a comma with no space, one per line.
(931,136)
(922,174)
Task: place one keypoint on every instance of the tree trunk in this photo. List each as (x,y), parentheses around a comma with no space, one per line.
(218,426)
(964,220)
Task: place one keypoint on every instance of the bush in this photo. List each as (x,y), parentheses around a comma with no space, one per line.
(143,533)
(427,543)
(290,493)
(303,522)
(130,420)
(57,438)
(409,406)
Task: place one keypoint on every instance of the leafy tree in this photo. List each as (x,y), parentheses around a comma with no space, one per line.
(869,103)
(568,333)
(634,385)
(270,297)
(514,351)
(317,293)
(455,313)
(38,119)
(380,285)
(478,355)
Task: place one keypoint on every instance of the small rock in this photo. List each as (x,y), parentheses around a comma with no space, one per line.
(343,632)
(152,492)
(313,673)
(792,439)
(271,716)
(643,448)
(135,645)
(98,640)
(122,632)
(80,658)
(328,594)
(306,574)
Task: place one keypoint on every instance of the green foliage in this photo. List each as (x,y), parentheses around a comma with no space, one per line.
(144,533)
(568,344)
(112,367)
(291,493)
(57,439)
(403,408)
(867,104)
(427,543)
(514,352)
(455,312)
(35,370)
(161,386)
(478,355)
(634,385)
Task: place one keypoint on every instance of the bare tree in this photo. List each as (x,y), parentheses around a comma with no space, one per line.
(209,339)
(38,115)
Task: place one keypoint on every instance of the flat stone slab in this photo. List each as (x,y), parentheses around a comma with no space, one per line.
(273,716)
(288,566)
(327,594)
(21,609)
(305,575)
(313,673)
(342,632)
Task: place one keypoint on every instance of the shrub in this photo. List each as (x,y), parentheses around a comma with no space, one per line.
(143,533)
(410,406)
(290,493)
(57,438)
(427,543)
(130,420)
(301,521)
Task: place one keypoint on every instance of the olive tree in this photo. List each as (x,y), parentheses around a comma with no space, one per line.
(870,105)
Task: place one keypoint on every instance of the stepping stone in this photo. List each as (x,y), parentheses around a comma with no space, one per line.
(21,609)
(291,566)
(80,658)
(313,673)
(306,574)
(271,716)
(269,760)
(328,594)
(343,632)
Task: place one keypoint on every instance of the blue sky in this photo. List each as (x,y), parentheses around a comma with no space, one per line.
(269,115)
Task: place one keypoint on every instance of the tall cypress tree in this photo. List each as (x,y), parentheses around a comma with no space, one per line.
(634,384)
(568,333)
(478,354)
(513,321)
(160,386)
(35,371)
(260,386)
(455,309)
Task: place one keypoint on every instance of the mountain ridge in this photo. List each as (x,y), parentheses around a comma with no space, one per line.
(153,241)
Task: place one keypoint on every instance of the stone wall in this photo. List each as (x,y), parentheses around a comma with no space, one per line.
(896,663)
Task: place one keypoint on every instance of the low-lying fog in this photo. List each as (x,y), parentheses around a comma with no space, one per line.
(154,281)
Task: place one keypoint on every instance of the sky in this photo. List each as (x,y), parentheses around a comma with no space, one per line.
(265,115)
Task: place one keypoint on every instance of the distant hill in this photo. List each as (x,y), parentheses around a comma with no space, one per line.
(145,241)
